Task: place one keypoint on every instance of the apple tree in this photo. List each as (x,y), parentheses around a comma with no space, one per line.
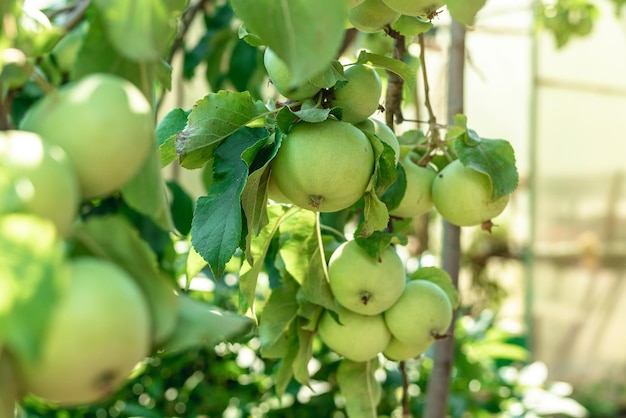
(308,191)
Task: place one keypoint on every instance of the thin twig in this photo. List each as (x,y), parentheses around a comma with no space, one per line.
(186,21)
(406,410)
(432,119)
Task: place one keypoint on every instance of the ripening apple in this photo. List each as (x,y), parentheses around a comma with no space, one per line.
(280,75)
(357,337)
(417,199)
(462,195)
(383,132)
(324,166)
(105,125)
(421,314)
(371,15)
(362,283)
(100,329)
(359,97)
(40,177)
(412,7)
(396,350)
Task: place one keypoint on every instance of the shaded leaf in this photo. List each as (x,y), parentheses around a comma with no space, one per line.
(360,389)
(278,314)
(442,279)
(402,69)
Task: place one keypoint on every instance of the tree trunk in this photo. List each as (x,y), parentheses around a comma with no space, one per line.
(439,380)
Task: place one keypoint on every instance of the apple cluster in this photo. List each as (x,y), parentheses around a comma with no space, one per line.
(378,311)
(82,141)
(372,15)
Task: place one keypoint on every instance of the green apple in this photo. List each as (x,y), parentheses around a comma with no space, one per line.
(396,350)
(39,176)
(383,132)
(371,15)
(280,75)
(362,283)
(421,314)
(357,337)
(413,7)
(417,199)
(99,331)
(274,193)
(462,196)
(105,125)
(324,166)
(359,97)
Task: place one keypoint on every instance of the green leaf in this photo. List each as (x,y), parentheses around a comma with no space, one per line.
(256,252)
(315,287)
(31,281)
(493,157)
(375,214)
(464,11)
(442,279)
(97,55)
(113,238)
(311,112)
(145,192)
(285,119)
(498,350)
(284,371)
(254,201)
(171,125)
(140,30)
(298,240)
(203,325)
(215,117)
(303,357)
(181,207)
(330,77)
(359,387)
(402,69)
(278,314)
(217,222)
(305,34)
(375,243)
(395,192)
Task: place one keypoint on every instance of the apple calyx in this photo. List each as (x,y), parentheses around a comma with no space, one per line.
(316,201)
(365,297)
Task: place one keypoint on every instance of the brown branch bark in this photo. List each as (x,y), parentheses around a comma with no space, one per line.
(395,83)
(440,378)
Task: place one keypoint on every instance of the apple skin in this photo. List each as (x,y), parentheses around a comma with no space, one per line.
(100,329)
(280,75)
(422,312)
(364,284)
(462,196)
(412,7)
(357,338)
(105,125)
(360,96)
(417,199)
(324,166)
(41,176)
(396,350)
(383,132)
(371,15)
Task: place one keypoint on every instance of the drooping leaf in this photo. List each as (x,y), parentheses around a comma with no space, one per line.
(303,357)
(256,251)
(216,229)
(464,11)
(305,34)
(402,69)
(315,288)
(375,215)
(203,325)
(395,192)
(140,30)
(215,117)
(442,279)
(31,281)
(284,370)
(375,243)
(359,387)
(298,240)
(278,314)
(145,192)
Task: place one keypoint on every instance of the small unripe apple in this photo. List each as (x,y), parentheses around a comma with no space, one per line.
(412,7)
(280,75)
(362,283)
(357,337)
(396,350)
(324,166)
(462,195)
(359,97)
(422,314)
(105,125)
(40,176)
(100,329)
(371,15)
(417,199)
